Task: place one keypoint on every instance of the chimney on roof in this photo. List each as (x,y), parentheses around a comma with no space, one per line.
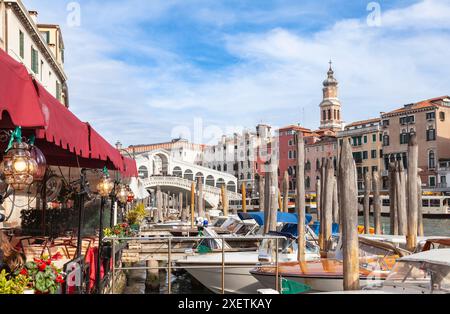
(119,145)
(34,15)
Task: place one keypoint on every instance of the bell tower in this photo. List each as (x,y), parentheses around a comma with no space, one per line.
(330,107)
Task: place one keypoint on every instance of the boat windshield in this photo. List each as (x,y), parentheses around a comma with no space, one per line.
(420,275)
(219,222)
(286,246)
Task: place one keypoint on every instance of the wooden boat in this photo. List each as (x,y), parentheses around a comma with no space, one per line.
(376,260)
(426,272)
(325,274)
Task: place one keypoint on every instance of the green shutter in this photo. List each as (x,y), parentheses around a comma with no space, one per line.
(58,91)
(21,45)
(34,61)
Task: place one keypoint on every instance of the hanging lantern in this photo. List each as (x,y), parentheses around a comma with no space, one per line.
(130,198)
(37,155)
(122,194)
(105,185)
(18,166)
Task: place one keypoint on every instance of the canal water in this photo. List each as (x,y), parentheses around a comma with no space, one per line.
(183,283)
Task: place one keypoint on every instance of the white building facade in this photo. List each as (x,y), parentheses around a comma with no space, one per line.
(237,155)
(39,47)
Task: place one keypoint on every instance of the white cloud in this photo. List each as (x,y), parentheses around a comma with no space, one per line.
(277,79)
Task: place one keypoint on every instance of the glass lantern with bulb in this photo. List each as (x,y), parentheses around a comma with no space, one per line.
(105,185)
(18,166)
(122,194)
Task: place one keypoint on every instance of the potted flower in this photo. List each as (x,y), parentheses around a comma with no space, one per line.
(136,216)
(44,276)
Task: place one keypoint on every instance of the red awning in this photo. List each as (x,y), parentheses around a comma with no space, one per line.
(62,127)
(101,149)
(18,95)
(63,138)
(130,168)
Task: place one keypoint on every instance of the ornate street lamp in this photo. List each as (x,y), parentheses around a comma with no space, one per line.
(105,185)
(18,166)
(122,194)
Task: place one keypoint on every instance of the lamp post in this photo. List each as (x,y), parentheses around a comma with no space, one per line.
(104,188)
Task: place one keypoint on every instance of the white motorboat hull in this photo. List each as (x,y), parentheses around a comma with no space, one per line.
(238,280)
(316,284)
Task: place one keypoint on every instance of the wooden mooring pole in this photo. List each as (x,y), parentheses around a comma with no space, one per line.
(267,199)
(393,200)
(261,193)
(335,201)
(327,207)
(300,198)
(349,212)
(376,202)
(244,198)
(192,204)
(401,198)
(367,190)
(318,200)
(286,192)
(273,196)
(420,232)
(413,157)
(200,205)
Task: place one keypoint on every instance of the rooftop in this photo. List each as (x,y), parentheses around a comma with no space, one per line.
(363,122)
(433,102)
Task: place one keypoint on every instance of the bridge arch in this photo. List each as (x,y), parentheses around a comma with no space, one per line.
(201,176)
(210,180)
(231,186)
(188,175)
(177,172)
(220,183)
(143,172)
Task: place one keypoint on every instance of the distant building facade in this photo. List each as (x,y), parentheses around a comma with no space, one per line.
(238,155)
(288,153)
(366,140)
(429,120)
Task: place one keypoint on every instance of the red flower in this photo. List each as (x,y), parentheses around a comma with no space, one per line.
(24,272)
(42,266)
(37,260)
(57,256)
(59,279)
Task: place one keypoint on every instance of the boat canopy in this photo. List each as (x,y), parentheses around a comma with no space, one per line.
(440,256)
(281,217)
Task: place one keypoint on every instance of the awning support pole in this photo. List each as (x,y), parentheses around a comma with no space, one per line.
(81,209)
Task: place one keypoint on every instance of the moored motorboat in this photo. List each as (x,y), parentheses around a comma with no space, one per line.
(376,260)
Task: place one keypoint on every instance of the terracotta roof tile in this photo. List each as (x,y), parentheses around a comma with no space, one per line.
(419,105)
(356,123)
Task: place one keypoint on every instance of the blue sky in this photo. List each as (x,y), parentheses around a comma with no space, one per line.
(144,71)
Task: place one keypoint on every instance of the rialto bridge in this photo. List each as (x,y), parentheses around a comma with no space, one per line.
(159,168)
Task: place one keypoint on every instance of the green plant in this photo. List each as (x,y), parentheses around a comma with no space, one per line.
(122,230)
(136,215)
(14,284)
(43,275)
